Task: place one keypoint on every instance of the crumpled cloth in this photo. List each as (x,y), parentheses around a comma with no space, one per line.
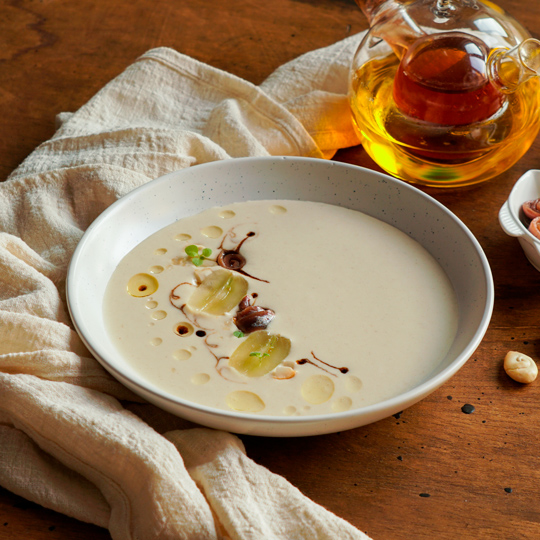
(71,437)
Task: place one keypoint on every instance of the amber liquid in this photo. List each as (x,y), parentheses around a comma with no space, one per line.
(436,153)
(443,79)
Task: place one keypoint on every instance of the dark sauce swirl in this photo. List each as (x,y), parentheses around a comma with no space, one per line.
(308,361)
(232,259)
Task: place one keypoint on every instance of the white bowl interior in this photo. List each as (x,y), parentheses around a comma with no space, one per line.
(165,200)
(527,188)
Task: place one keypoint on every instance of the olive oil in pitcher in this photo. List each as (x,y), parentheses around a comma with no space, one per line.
(443,108)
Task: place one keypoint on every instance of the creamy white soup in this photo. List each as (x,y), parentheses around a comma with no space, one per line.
(281,308)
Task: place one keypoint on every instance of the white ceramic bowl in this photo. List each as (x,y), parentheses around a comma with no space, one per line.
(159,203)
(511,216)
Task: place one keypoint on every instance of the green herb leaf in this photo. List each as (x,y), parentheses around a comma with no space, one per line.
(193,253)
(259,354)
(238,334)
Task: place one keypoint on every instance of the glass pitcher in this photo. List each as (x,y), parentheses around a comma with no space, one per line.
(444,92)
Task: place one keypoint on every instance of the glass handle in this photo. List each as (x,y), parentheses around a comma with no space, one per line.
(509,68)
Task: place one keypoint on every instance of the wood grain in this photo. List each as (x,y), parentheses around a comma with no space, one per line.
(431,472)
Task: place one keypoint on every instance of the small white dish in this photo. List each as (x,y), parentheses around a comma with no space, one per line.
(511,217)
(161,202)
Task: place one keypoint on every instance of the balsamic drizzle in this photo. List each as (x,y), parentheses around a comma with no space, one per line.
(308,361)
(232,259)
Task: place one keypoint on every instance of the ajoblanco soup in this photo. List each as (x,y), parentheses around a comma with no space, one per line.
(281,308)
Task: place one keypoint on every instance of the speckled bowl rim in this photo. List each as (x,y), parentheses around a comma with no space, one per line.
(96,236)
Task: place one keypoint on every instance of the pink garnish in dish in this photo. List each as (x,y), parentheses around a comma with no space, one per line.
(534,227)
(532,208)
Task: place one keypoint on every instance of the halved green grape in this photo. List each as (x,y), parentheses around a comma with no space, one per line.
(141,285)
(260,353)
(219,292)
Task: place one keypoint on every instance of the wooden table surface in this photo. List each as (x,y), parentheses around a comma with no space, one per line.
(481,470)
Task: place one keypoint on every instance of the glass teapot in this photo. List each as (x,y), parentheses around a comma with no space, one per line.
(444,92)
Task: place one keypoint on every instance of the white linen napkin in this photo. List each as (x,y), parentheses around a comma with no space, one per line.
(72,438)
